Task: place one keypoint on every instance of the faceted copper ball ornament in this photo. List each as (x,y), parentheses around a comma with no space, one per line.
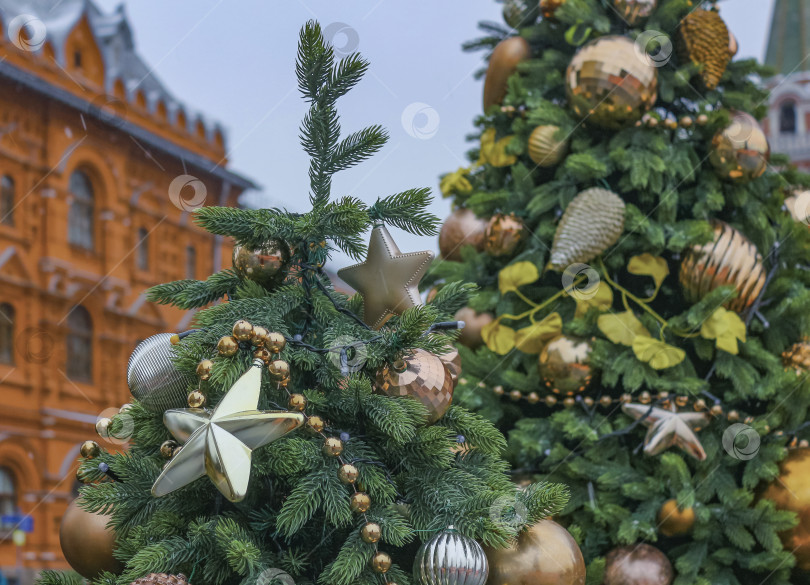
(266,265)
(461,228)
(740,152)
(564,365)
(640,564)
(611,84)
(420,375)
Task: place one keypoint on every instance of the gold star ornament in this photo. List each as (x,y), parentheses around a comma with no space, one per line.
(219,443)
(669,428)
(388,279)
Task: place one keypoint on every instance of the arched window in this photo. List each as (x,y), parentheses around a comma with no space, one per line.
(143,249)
(79,350)
(787,118)
(191,262)
(7,200)
(6,334)
(80,215)
(8,492)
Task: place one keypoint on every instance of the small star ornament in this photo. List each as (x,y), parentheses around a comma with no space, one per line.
(220,443)
(388,279)
(668,428)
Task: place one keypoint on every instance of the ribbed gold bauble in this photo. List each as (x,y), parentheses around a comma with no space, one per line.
(504,234)
(420,375)
(791,491)
(592,222)
(635,12)
(549,7)
(87,543)
(703,39)
(474,322)
(609,84)
(502,64)
(797,357)
(640,564)
(672,521)
(545,148)
(564,365)
(545,554)
(740,152)
(461,228)
(729,259)
(266,264)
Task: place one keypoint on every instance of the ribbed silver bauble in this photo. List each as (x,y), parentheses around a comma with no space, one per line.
(450,558)
(153,378)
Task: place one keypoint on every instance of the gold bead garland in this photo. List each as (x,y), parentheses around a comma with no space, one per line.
(686,121)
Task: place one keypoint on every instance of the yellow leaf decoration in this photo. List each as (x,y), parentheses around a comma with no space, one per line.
(498,338)
(516,275)
(494,152)
(725,327)
(599,295)
(649,265)
(658,354)
(456,182)
(531,339)
(622,328)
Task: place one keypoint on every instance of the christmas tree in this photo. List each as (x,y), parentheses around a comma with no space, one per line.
(324,427)
(640,330)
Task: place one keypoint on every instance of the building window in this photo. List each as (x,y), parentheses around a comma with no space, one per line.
(77,59)
(191,262)
(143,249)
(787,118)
(80,215)
(6,334)
(8,493)
(7,200)
(79,345)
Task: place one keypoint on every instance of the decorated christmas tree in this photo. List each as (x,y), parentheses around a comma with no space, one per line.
(323,423)
(640,328)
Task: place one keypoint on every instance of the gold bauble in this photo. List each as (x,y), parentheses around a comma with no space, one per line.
(729,259)
(242,330)
(672,521)
(635,12)
(204,369)
(461,228)
(474,322)
(264,354)
(258,335)
(503,234)
(791,491)
(297,402)
(380,562)
(332,446)
(703,39)
(167,449)
(348,473)
(420,375)
(266,265)
(279,369)
(90,450)
(545,148)
(740,152)
(798,205)
(549,7)
(359,502)
(502,64)
(564,365)
(640,564)
(371,532)
(452,361)
(797,357)
(275,342)
(592,223)
(196,399)
(315,423)
(227,346)
(103,427)
(609,84)
(545,554)
(87,543)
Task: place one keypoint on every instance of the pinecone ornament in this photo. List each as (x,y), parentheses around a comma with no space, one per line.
(703,39)
(592,222)
(161,579)
(797,357)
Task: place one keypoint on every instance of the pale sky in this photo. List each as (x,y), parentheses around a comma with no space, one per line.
(234,61)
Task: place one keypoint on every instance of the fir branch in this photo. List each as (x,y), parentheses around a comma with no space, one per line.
(407,210)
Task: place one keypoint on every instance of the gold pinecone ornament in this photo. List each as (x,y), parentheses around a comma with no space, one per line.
(592,222)
(797,357)
(703,39)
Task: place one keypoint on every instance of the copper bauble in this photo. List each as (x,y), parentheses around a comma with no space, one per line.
(452,361)
(546,146)
(474,322)
(791,491)
(549,7)
(740,152)
(635,12)
(545,554)
(610,84)
(797,357)
(502,64)
(504,234)
(564,365)
(461,228)
(729,259)
(420,375)
(640,564)
(266,265)
(672,521)
(86,542)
